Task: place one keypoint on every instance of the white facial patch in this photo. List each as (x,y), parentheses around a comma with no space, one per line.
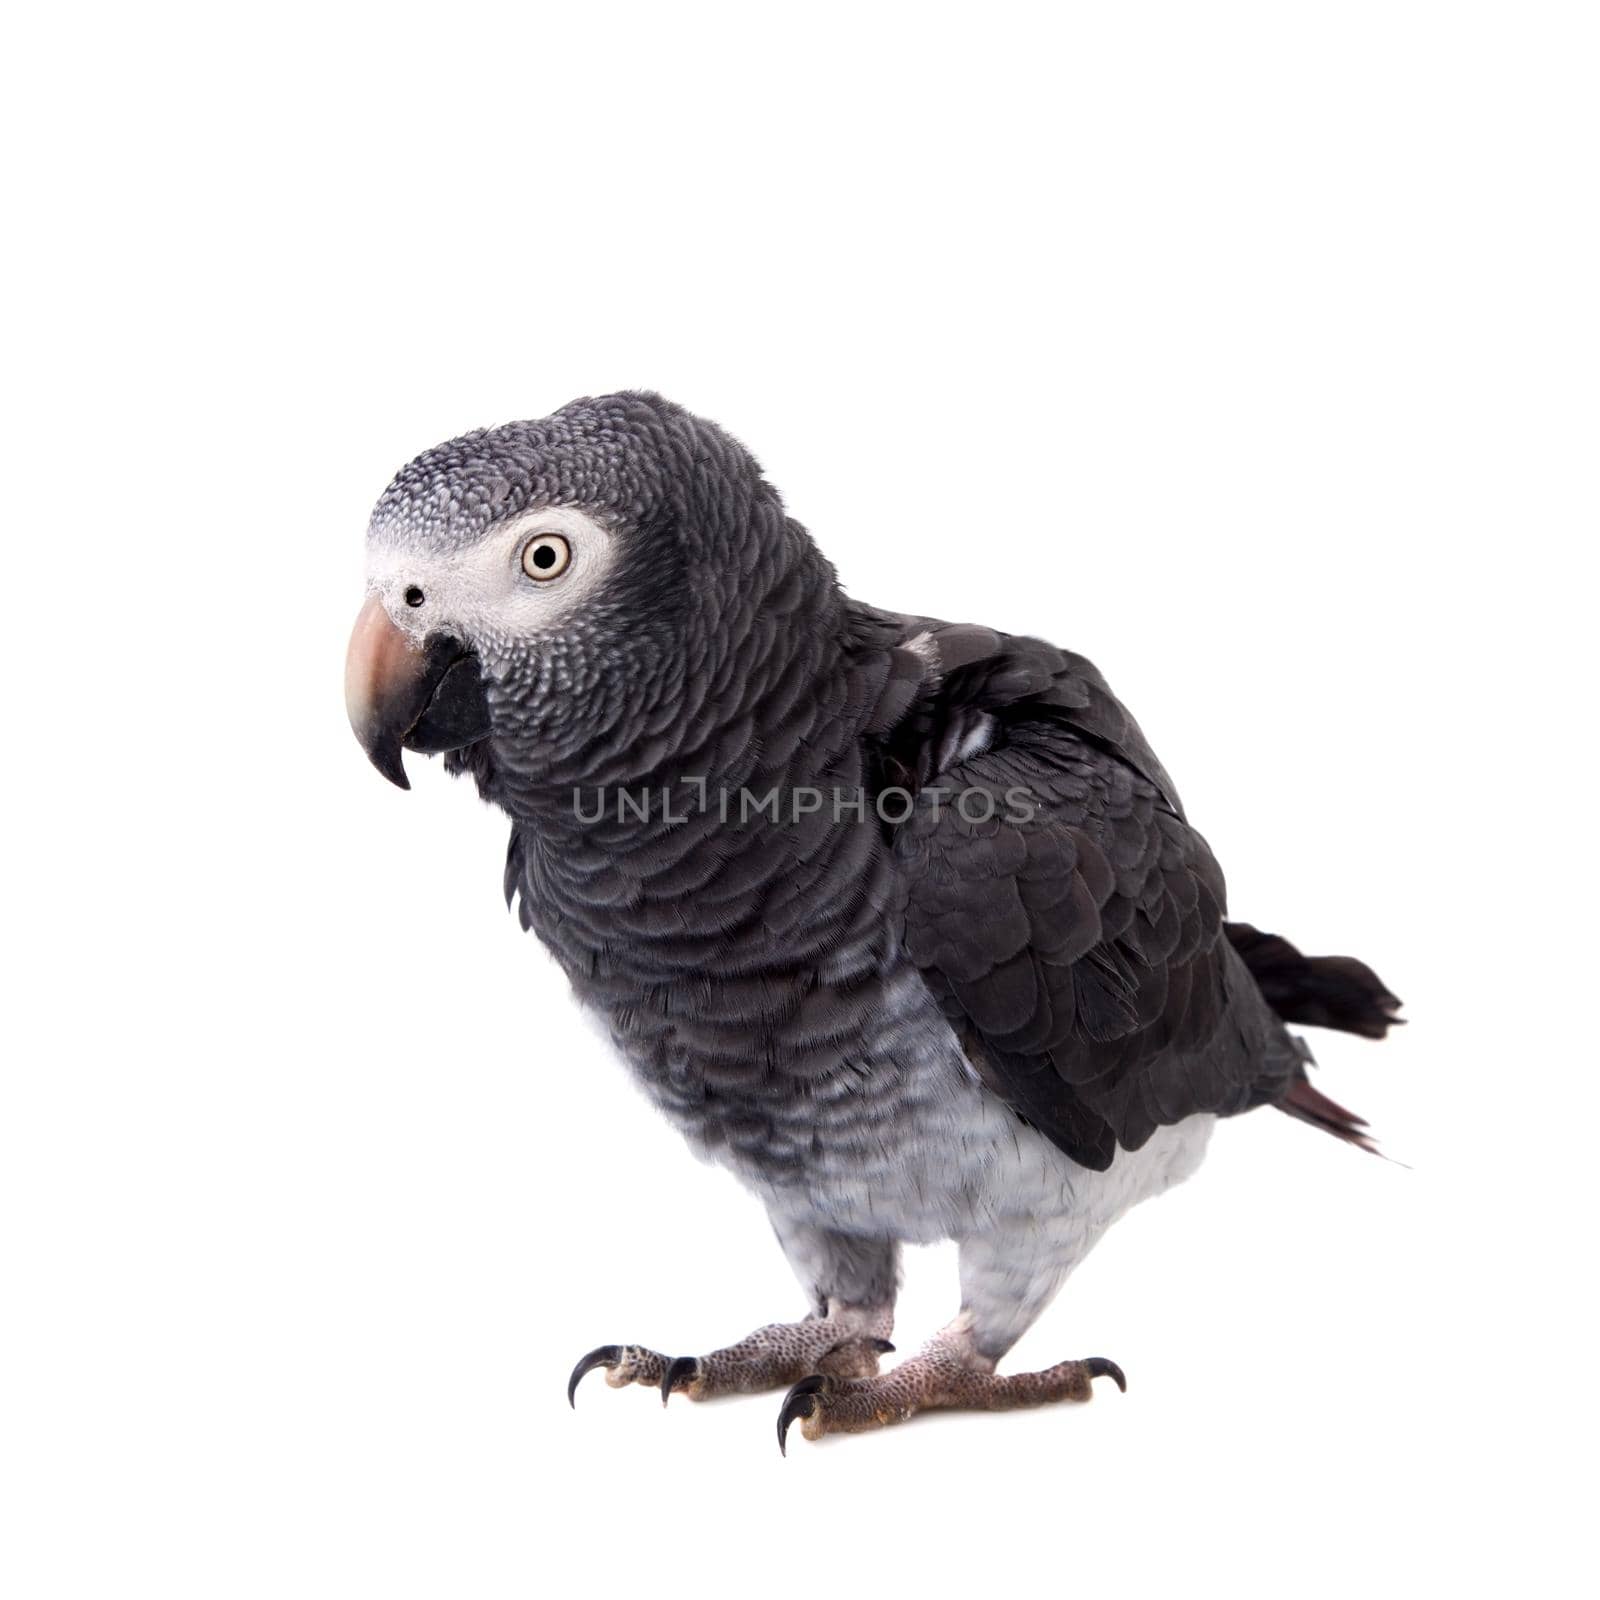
(482,594)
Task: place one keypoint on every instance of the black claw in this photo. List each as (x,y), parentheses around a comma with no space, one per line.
(883,1347)
(799,1402)
(682,1367)
(1100,1367)
(608,1355)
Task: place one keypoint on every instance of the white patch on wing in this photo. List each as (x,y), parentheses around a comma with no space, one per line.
(975,739)
(967,736)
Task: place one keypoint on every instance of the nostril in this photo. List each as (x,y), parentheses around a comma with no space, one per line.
(414,596)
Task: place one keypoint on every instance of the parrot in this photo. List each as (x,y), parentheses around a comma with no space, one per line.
(899,920)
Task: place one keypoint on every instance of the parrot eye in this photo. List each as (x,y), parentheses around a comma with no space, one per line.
(546,557)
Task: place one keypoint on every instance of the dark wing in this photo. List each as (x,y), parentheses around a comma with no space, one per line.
(1061,908)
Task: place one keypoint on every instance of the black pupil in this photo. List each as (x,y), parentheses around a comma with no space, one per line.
(414,596)
(544,556)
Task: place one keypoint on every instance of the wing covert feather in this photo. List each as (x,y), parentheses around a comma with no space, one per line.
(1068,918)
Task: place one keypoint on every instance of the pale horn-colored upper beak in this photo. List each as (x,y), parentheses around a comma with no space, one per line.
(402,695)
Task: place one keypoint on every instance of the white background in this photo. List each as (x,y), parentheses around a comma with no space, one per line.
(1251,350)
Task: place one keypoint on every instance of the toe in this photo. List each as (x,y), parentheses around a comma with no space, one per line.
(623,1364)
(800,1403)
(680,1374)
(853,1358)
(1101,1367)
(606,1355)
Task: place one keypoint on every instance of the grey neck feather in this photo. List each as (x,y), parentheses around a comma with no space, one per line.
(668,866)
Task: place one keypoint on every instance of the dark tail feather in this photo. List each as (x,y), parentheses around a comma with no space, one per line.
(1315,991)
(1311,1105)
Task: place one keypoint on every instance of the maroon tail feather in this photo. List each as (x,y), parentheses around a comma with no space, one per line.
(1311,1105)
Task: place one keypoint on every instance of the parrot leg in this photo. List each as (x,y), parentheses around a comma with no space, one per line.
(846,1343)
(948,1372)
(1008,1276)
(853,1283)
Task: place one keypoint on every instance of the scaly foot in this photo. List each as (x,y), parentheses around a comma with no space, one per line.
(949,1372)
(844,1344)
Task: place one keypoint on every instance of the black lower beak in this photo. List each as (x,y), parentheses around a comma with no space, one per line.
(401,697)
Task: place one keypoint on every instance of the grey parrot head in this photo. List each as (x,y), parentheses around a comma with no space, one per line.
(562,591)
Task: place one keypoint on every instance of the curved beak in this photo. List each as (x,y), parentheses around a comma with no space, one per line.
(399,695)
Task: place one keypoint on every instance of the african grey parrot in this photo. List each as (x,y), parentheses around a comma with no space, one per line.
(899,920)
